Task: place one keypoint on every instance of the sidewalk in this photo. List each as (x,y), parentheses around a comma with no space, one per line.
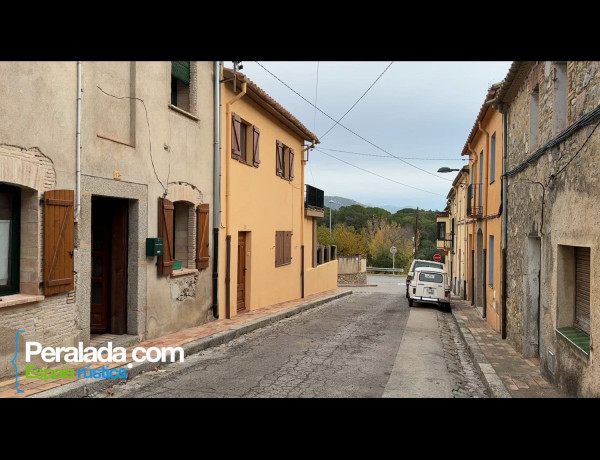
(505,372)
(192,340)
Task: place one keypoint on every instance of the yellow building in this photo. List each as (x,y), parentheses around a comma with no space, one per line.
(267,234)
(484,198)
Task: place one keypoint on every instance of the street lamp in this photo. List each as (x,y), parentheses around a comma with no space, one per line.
(330,201)
(445,169)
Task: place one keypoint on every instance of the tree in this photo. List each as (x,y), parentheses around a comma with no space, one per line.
(349,242)
(382,236)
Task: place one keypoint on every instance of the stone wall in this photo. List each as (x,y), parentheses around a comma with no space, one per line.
(558,210)
(352,278)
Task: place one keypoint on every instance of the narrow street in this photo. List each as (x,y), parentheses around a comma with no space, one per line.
(369,345)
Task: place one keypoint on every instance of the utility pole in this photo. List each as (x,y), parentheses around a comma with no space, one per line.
(416,230)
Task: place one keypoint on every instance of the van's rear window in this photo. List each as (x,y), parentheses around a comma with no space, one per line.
(431,277)
(428,265)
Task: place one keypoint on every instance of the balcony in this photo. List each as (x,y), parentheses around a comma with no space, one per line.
(445,241)
(474,201)
(314,201)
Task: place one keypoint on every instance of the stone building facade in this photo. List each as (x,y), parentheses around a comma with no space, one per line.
(78,240)
(552,112)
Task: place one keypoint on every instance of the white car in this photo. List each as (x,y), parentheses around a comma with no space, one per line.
(428,285)
(421,263)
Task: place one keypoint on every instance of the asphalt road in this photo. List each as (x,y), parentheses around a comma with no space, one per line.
(348,348)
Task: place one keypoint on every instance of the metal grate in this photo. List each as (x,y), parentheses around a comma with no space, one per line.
(551,361)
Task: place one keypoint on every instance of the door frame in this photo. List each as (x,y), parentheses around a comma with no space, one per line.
(243,235)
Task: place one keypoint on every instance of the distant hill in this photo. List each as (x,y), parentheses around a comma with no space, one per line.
(339,201)
(389,207)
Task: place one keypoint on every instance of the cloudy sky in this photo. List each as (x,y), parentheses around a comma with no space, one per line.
(421,112)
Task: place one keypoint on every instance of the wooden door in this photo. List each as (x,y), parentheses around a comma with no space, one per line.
(108,299)
(241,272)
(101,239)
(118,268)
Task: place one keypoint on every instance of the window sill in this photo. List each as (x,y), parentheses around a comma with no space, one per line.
(283,265)
(183,272)
(576,337)
(18,299)
(183,112)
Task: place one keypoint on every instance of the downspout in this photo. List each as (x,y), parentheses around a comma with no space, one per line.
(485,222)
(78,148)
(228,193)
(501,109)
(216,186)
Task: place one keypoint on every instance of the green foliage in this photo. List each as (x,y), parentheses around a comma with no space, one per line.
(371,231)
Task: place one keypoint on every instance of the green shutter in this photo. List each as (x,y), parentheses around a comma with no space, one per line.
(181,70)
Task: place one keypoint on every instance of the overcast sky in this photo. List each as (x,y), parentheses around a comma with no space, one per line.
(417,110)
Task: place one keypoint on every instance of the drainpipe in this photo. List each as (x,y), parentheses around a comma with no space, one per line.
(78,148)
(216,186)
(228,185)
(485,234)
(501,109)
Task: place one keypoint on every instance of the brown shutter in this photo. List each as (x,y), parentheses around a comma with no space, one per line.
(287,248)
(202,233)
(165,230)
(255,144)
(278,248)
(279,159)
(59,241)
(582,289)
(291,163)
(236,127)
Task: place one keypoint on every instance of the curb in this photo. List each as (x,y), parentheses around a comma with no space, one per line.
(82,388)
(491,380)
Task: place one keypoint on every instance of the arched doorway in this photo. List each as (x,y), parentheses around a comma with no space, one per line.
(479,270)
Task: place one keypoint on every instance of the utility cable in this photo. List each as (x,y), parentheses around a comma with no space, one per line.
(357,101)
(346,128)
(378,175)
(149,140)
(386,156)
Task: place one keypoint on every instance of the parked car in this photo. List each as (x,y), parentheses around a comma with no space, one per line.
(417,263)
(428,285)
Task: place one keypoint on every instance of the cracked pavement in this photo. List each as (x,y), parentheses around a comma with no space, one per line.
(342,349)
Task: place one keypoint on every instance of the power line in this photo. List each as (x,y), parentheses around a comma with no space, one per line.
(375,174)
(386,156)
(314,122)
(346,128)
(357,101)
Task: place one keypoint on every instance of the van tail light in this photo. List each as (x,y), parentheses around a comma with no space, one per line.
(408,279)
(447,293)
(414,290)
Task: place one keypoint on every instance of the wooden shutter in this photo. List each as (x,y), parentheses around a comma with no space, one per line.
(279,237)
(582,289)
(291,163)
(202,234)
(255,145)
(59,241)
(287,248)
(279,159)
(181,70)
(236,128)
(165,230)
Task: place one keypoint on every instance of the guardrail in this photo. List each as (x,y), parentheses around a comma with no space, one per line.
(386,270)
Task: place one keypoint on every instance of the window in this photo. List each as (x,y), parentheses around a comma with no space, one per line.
(582,289)
(177,223)
(480,204)
(491,261)
(283,248)
(560,96)
(493,159)
(245,141)
(431,277)
(534,118)
(10,219)
(284,161)
(441,231)
(180,84)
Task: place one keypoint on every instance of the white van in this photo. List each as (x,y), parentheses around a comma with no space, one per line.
(421,263)
(428,285)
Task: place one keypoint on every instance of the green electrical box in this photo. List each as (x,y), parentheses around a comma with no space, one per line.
(154,247)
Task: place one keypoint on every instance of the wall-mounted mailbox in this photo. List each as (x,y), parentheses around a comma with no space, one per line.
(154,247)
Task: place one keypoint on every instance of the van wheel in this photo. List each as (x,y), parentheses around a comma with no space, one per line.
(410,302)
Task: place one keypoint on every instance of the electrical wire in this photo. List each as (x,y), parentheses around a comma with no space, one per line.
(314,122)
(357,101)
(576,153)
(378,175)
(346,128)
(149,140)
(404,158)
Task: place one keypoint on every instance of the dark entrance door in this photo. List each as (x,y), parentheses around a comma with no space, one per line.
(241,274)
(108,302)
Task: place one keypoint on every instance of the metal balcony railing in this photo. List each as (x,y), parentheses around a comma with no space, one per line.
(474,201)
(314,197)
